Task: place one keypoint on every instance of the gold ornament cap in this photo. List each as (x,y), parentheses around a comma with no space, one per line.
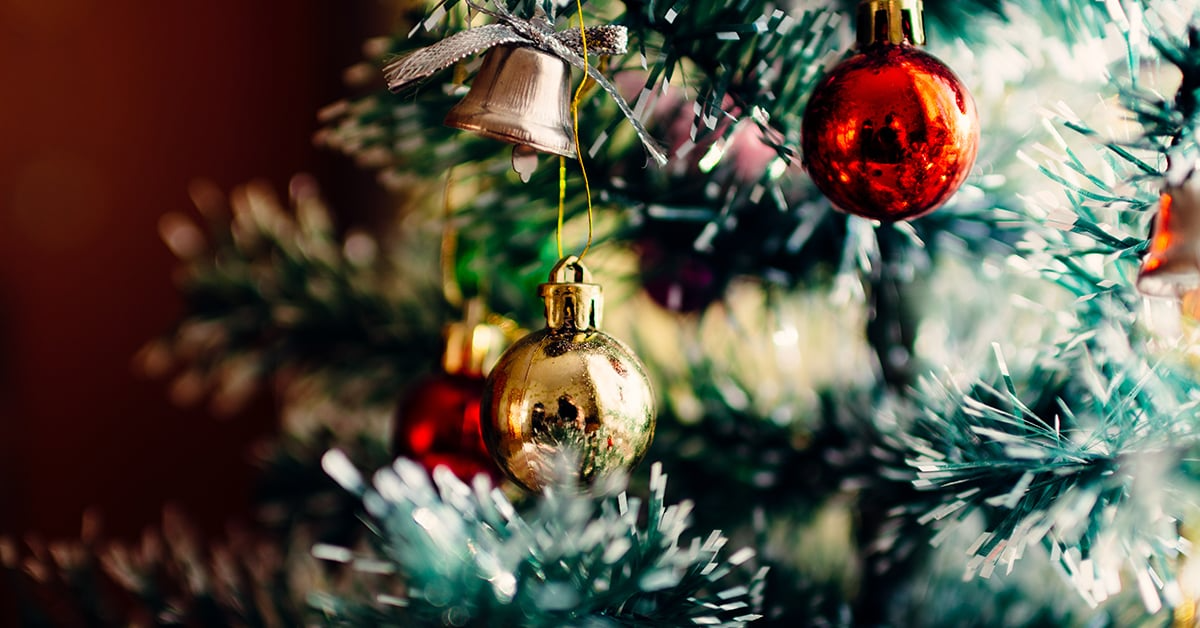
(891,22)
(573,302)
(472,346)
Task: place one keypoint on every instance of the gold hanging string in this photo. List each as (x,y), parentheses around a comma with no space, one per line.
(562,195)
(562,162)
(450,288)
(579,93)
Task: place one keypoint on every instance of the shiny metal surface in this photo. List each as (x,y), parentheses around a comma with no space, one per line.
(472,345)
(891,22)
(521,96)
(570,389)
(890,133)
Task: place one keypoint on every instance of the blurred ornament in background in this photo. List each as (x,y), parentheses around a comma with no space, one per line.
(438,422)
(568,391)
(680,284)
(1189,307)
(890,133)
(1171,267)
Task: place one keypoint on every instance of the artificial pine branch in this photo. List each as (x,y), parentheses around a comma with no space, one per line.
(273,290)
(172,577)
(1090,480)
(464,554)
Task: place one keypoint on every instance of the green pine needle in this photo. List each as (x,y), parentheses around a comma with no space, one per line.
(464,555)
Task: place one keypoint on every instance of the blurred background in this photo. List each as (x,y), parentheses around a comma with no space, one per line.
(109,110)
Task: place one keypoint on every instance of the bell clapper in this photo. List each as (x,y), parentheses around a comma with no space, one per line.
(524,161)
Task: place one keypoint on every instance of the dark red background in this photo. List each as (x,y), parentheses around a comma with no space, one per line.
(108,109)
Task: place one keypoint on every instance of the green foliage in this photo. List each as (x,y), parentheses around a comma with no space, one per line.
(171,578)
(1087,453)
(269,289)
(458,554)
(1171,125)
(1092,480)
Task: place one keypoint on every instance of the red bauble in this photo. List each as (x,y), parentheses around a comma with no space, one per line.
(438,424)
(681,280)
(687,286)
(891,133)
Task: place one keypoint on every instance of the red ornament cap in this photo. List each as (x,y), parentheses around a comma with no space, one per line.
(890,133)
(473,345)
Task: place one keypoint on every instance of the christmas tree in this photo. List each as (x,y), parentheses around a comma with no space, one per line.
(894,304)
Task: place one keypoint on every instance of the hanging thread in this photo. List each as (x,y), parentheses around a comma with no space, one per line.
(562,162)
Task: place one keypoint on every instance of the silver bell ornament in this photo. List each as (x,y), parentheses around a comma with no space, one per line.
(520,95)
(568,391)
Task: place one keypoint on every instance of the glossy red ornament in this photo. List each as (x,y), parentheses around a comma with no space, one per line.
(677,279)
(891,133)
(438,424)
(688,286)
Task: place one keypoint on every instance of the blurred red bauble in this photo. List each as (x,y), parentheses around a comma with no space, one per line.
(689,287)
(891,133)
(438,424)
(683,282)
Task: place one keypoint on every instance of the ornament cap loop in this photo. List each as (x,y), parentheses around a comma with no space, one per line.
(891,22)
(472,346)
(573,302)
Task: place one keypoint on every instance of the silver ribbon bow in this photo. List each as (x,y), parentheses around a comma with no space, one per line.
(537,33)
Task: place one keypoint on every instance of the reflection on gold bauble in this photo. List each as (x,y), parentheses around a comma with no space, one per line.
(567,391)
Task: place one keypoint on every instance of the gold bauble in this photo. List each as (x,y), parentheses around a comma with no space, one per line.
(568,391)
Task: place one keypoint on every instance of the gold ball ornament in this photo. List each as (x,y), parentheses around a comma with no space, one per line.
(568,391)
